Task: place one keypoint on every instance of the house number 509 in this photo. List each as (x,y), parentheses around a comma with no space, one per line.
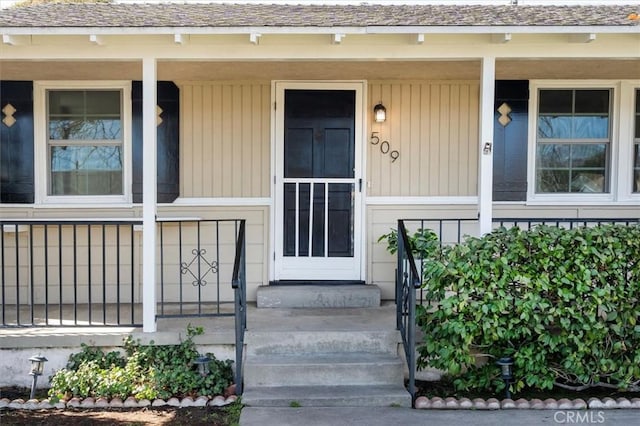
(385,147)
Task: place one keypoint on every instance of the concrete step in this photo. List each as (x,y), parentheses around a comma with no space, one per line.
(323,370)
(307,342)
(327,396)
(318,296)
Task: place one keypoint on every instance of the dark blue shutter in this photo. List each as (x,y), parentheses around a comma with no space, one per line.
(168,141)
(16,144)
(510,142)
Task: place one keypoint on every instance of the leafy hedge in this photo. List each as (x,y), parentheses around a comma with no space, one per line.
(144,371)
(563,303)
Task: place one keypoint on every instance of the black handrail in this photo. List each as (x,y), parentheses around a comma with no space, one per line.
(407,281)
(239,284)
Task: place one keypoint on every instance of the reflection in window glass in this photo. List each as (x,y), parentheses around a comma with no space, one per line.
(573,138)
(571,168)
(86,170)
(85,142)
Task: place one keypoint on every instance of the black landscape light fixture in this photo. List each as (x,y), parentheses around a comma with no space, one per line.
(506,372)
(203,364)
(37,369)
(379,113)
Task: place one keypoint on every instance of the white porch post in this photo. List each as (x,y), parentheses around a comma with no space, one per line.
(149,136)
(485,168)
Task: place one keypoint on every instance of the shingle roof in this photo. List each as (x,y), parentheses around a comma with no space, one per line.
(96,15)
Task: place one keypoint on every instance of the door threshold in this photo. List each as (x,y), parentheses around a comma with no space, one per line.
(316,282)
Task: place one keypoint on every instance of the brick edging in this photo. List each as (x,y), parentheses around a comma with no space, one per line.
(131,402)
(451,403)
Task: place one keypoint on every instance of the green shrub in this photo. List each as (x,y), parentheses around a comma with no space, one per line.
(142,371)
(563,303)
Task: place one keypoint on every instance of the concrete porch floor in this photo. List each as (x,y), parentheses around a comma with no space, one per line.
(218,330)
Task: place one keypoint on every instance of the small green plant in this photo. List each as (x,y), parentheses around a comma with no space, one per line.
(142,371)
(233,412)
(295,404)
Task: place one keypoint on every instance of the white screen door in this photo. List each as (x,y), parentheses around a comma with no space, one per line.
(318,181)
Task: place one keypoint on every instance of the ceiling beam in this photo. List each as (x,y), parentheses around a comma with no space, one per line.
(254,38)
(337,38)
(582,38)
(96,39)
(501,38)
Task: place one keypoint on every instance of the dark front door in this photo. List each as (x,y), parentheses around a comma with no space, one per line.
(317,181)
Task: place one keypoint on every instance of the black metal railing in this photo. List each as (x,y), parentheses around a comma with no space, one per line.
(407,281)
(570,223)
(239,284)
(196,261)
(69,272)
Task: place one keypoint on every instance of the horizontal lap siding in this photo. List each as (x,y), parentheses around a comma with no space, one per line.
(225,139)
(434,127)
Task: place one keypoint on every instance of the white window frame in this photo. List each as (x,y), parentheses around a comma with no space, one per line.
(573,198)
(41,144)
(627,129)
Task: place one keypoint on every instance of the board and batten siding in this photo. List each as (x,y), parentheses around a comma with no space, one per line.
(434,127)
(225,139)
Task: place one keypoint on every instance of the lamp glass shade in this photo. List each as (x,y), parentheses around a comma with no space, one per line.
(203,364)
(379,113)
(506,368)
(37,365)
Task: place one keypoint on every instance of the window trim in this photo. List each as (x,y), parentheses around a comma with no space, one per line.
(41,143)
(572,198)
(627,130)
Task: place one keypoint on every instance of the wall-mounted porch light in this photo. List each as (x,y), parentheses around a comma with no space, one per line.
(37,369)
(506,372)
(379,113)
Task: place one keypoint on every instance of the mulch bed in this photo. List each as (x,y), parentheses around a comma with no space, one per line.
(170,416)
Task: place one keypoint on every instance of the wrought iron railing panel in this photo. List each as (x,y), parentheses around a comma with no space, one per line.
(196,260)
(68,273)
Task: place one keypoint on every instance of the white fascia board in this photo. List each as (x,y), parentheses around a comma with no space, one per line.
(520,29)
(323,30)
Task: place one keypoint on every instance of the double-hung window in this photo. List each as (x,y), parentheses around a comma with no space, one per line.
(573,141)
(84,158)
